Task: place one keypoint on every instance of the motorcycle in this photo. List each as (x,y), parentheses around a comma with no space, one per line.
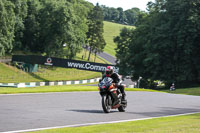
(109,93)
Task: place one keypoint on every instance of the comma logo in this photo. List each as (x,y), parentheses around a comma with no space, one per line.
(48,62)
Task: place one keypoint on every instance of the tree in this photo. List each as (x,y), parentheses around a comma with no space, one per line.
(20,13)
(133,15)
(114,14)
(55,30)
(122,16)
(95,31)
(80,27)
(50,25)
(31,35)
(7,23)
(106,12)
(173,42)
(164,46)
(117,15)
(123,41)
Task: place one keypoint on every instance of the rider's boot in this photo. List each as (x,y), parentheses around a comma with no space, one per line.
(124,98)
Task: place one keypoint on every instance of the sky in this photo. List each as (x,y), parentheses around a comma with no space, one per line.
(125,4)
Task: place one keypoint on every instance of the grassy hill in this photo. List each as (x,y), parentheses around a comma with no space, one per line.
(112,30)
(10,74)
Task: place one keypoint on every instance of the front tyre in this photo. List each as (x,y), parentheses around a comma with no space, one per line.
(121,109)
(106,103)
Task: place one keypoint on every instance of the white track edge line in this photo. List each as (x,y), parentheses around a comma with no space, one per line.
(97,123)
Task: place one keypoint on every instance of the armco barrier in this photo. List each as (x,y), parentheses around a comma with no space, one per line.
(52,83)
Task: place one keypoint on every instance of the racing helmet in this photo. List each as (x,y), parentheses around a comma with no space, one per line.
(109,71)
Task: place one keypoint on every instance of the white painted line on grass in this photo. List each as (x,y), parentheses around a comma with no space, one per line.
(97,123)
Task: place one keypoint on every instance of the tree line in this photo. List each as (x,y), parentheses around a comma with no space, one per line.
(164,46)
(53,28)
(118,15)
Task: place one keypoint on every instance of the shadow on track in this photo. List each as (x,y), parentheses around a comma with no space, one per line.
(91,111)
(167,111)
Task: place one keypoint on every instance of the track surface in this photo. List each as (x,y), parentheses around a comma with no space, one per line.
(31,111)
(108,57)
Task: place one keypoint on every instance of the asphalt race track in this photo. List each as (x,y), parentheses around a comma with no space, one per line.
(107,57)
(33,111)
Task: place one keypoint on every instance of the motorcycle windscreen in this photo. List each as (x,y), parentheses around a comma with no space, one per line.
(105,83)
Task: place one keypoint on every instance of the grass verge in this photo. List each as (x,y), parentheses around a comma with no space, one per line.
(66,88)
(177,124)
(187,91)
(46,89)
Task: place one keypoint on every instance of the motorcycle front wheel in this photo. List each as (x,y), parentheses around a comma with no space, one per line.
(106,103)
(122,107)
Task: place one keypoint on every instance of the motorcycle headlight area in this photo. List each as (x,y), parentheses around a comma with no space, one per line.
(105,83)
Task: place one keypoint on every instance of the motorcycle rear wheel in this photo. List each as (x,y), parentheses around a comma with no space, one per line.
(106,103)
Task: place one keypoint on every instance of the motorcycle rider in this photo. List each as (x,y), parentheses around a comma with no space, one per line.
(116,80)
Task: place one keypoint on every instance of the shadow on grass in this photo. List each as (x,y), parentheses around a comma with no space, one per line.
(38,77)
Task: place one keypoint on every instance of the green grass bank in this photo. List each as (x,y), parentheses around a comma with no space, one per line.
(186,91)
(177,124)
(64,88)
(10,74)
(112,30)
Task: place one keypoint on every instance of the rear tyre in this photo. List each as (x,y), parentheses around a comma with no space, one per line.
(106,103)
